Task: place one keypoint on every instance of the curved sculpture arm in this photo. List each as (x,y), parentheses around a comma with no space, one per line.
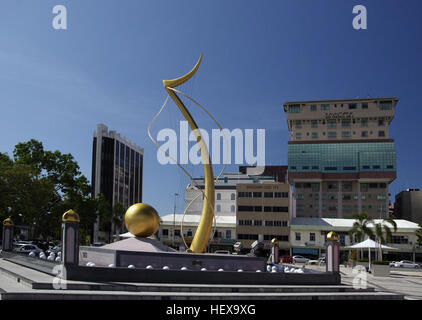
(200,240)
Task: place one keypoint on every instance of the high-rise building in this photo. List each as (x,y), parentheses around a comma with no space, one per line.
(263,214)
(408,205)
(116,169)
(340,157)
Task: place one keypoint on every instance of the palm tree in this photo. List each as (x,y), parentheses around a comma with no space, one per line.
(380,229)
(419,234)
(360,227)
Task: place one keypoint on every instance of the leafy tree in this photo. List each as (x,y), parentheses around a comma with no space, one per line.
(38,186)
(380,229)
(118,212)
(419,234)
(360,227)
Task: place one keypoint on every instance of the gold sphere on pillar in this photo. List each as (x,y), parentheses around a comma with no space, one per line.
(142,220)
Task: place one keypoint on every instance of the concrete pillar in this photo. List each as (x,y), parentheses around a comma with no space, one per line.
(320,200)
(70,238)
(332,255)
(339,201)
(7,238)
(274,251)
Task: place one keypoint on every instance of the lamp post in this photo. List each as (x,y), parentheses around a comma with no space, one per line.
(174,217)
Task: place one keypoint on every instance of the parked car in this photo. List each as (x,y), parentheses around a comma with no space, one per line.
(406,264)
(300,259)
(286,259)
(318,261)
(98,244)
(26,248)
(393,263)
(54,250)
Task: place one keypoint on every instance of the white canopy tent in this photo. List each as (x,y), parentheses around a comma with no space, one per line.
(369,244)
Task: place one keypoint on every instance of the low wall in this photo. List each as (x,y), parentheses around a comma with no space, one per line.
(173,260)
(82,273)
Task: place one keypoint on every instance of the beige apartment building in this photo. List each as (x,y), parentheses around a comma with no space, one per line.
(340,156)
(263,213)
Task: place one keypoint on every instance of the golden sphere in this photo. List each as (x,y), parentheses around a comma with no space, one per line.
(142,220)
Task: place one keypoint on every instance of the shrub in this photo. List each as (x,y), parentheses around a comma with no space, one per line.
(380,262)
(363,260)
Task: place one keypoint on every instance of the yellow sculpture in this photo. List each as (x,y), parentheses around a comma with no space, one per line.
(70,216)
(200,240)
(142,220)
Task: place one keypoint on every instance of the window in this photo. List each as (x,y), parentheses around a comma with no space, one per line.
(269,223)
(218,208)
(257,194)
(218,196)
(165,232)
(300,207)
(312,237)
(242,236)
(294,108)
(364,134)
(244,194)
(232,208)
(300,196)
(189,233)
(245,208)
(313,107)
(346,134)
(257,223)
(314,124)
(332,186)
(298,124)
(177,233)
(268,194)
(353,105)
(381,197)
(228,234)
(332,134)
(380,122)
(268,209)
(280,209)
(298,135)
(233,196)
(381,133)
(364,122)
(284,223)
(345,123)
(386,105)
(363,187)
(325,107)
(364,105)
(257,208)
(314,135)
(297,236)
(331,123)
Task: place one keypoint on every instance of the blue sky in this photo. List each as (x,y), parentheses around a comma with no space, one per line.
(108,67)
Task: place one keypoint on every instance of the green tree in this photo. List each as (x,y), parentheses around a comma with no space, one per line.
(38,186)
(381,229)
(118,212)
(360,227)
(419,234)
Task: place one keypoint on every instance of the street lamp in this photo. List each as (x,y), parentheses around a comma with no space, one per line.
(174,217)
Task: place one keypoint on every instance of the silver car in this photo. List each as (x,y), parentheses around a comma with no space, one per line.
(406,264)
(300,259)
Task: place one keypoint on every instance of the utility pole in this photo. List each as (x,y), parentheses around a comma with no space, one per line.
(174,218)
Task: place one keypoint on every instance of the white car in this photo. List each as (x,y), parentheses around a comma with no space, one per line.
(406,264)
(26,248)
(300,259)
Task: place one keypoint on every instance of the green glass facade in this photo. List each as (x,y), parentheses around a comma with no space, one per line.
(342,157)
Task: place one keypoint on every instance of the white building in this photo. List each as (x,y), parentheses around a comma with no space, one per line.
(225,193)
(308,236)
(170,231)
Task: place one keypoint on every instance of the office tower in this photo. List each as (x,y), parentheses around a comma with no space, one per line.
(116,169)
(408,205)
(340,157)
